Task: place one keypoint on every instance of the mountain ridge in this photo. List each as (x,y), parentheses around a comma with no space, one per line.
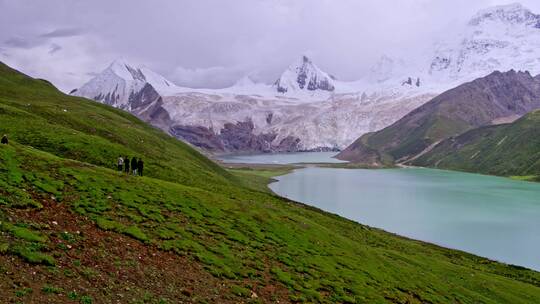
(471,105)
(510,149)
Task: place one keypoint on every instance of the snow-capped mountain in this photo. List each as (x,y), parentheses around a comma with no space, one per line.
(307,108)
(121,82)
(304,75)
(498,38)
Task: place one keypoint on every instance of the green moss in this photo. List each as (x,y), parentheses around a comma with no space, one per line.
(107,224)
(4,247)
(72,295)
(86,300)
(240,291)
(283,277)
(33,257)
(166,234)
(26,234)
(48,289)
(136,232)
(23,292)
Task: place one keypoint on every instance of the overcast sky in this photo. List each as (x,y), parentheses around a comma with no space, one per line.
(212,43)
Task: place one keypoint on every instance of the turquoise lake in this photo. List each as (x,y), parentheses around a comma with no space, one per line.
(282,158)
(494,217)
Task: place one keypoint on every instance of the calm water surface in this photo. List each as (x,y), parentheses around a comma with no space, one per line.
(282,158)
(489,216)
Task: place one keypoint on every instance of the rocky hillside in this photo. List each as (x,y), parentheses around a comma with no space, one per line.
(498,97)
(508,150)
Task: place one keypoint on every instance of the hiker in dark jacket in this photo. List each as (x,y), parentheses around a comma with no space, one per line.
(140,166)
(126,165)
(120,164)
(4,139)
(134,165)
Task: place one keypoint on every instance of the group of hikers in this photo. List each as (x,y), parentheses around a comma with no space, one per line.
(136,165)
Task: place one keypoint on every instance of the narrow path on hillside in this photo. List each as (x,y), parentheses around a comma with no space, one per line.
(426,150)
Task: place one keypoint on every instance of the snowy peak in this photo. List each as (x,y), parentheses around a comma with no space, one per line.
(123,70)
(511,14)
(120,82)
(498,38)
(304,75)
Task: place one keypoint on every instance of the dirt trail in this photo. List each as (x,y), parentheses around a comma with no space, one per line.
(402,162)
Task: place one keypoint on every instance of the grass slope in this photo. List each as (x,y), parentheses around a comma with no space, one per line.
(73,230)
(34,113)
(507,150)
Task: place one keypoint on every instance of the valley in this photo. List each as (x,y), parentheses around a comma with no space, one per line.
(413,179)
(73,229)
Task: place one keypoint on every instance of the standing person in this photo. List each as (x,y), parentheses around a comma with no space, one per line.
(140,166)
(120,164)
(4,139)
(134,165)
(126,165)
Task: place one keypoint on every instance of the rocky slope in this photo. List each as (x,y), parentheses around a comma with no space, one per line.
(485,101)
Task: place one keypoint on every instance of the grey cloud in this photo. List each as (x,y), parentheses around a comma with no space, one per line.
(206,77)
(20,42)
(186,40)
(63,32)
(54,48)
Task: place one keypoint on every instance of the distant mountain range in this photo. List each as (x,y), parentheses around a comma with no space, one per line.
(494,99)
(309,109)
(302,111)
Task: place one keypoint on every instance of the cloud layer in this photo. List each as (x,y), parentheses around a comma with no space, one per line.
(212,43)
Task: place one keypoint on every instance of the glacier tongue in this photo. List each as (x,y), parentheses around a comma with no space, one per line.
(329,124)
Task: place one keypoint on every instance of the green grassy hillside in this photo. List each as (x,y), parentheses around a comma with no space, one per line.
(36,114)
(73,230)
(507,150)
